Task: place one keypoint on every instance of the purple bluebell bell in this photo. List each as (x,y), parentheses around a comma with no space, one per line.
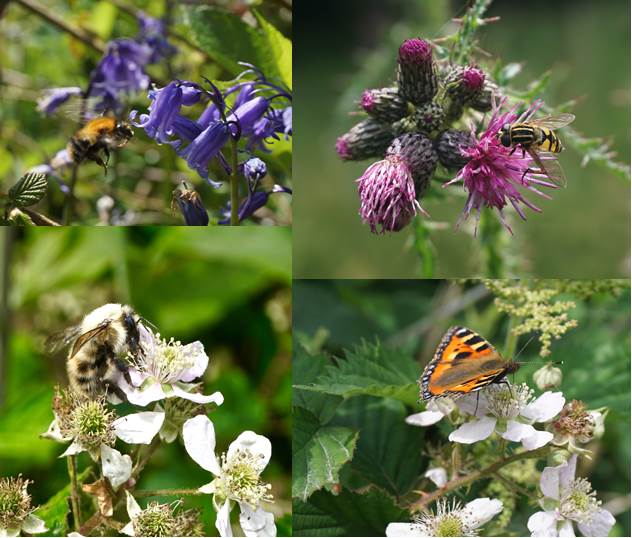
(248,206)
(205,147)
(152,32)
(191,206)
(55,97)
(254,169)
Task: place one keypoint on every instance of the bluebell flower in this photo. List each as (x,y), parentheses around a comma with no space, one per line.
(55,97)
(205,147)
(254,169)
(248,206)
(287,121)
(191,206)
(152,32)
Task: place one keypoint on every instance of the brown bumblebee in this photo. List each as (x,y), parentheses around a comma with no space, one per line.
(99,135)
(99,346)
(536,136)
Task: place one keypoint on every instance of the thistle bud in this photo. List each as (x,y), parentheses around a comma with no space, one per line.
(482,101)
(463,86)
(449,145)
(420,157)
(548,377)
(416,76)
(365,140)
(384,104)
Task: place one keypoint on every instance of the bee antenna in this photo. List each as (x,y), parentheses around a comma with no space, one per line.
(146,321)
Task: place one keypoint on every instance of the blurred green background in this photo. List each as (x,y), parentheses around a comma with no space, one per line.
(412,316)
(345,47)
(230,290)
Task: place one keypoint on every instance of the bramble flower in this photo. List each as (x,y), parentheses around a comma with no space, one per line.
(493,176)
(435,411)
(165,369)
(16,510)
(176,411)
(161,519)
(53,98)
(510,412)
(451,519)
(237,476)
(577,425)
(567,499)
(437,475)
(547,377)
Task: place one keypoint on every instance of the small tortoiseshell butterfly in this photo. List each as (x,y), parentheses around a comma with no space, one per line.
(464,362)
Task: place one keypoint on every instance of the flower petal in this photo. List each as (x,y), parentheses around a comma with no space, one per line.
(257,445)
(133,509)
(550,482)
(139,428)
(537,440)
(54,432)
(74,448)
(474,431)
(217,397)
(128,529)
(150,392)
(195,350)
(482,510)
(117,467)
(425,418)
(33,525)
(406,529)
(566,530)
(207,488)
(517,431)
(438,475)
(567,471)
(543,524)
(222,521)
(471,403)
(600,524)
(257,522)
(545,407)
(199,440)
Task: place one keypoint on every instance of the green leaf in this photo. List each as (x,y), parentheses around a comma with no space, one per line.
(55,511)
(388,453)
(279,47)
(318,453)
(29,190)
(371,370)
(346,514)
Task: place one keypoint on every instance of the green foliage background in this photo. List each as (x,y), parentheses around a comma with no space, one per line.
(585,44)
(231,290)
(360,347)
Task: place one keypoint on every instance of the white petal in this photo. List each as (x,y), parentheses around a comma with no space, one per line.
(473,402)
(151,392)
(470,432)
(425,418)
(136,377)
(194,350)
(543,524)
(517,431)
(222,521)
(117,467)
(199,440)
(550,482)
(257,445)
(33,525)
(128,529)
(566,529)
(207,488)
(438,475)
(139,428)
(9,532)
(567,471)
(74,534)
(256,523)
(545,407)
(406,529)
(74,448)
(537,440)
(442,405)
(482,510)
(217,397)
(600,524)
(54,432)
(133,509)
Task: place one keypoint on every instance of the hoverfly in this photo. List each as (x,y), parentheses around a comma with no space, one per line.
(537,136)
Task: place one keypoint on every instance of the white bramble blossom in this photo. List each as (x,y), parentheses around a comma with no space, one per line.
(16,510)
(450,519)
(237,476)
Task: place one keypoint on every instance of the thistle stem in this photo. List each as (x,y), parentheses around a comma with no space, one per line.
(74,491)
(234,185)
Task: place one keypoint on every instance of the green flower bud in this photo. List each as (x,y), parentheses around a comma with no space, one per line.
(365,140)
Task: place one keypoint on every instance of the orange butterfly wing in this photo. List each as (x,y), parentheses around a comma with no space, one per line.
(463,362)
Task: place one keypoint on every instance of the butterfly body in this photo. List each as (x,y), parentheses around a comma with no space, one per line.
(464,362)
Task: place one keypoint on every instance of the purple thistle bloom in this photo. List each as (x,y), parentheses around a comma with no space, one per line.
(204,147)
(473,78)
(152,32)
(387,195)
(254,201)
(493,175)
(55,97)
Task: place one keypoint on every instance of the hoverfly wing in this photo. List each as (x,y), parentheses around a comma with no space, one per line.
(551,168)
(556,121)
(84,338)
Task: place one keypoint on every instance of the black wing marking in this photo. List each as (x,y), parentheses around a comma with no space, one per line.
(86,337)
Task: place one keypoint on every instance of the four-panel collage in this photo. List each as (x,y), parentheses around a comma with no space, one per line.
(418,327)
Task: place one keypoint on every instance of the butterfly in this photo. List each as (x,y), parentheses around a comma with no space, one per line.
(464,362)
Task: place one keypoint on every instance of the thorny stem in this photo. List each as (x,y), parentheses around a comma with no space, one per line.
(513,486)
(70,198)
(234,185)
(162,492)
(74,491)
(474,476)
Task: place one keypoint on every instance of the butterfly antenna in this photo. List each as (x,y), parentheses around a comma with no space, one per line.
(524,347)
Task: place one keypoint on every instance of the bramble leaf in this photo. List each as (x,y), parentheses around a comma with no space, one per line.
(279,61)
(28,190)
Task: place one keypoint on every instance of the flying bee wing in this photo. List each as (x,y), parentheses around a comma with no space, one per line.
(62,339)
(556,121)
(87,336)
(551,168)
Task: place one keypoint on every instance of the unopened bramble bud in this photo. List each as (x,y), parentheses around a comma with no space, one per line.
(449,145)
(547,377)
(365,140)
(384,104)
(420,157)
(416,74)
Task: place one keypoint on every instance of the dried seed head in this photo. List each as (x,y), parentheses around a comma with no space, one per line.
(15,502)
(575,422)
(365,140)
(155,520)
(416,74)
(449,146)
(92,424)
(384,104)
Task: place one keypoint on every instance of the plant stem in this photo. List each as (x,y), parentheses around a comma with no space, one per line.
(74,492)
(474,476)
(145,458)
(70,198)
(6,236)
(511,342)
(234,185)
(161,492)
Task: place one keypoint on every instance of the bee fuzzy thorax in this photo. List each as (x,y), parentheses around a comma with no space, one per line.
(117,334)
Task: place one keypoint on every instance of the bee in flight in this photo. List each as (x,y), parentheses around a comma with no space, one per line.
(98,348)
(537,136)
(99,135)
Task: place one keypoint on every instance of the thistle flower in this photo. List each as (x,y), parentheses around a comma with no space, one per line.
(567,499)
(384,104)
(237,476)
(165,369)
(369,138)
(161,519)
(493,176)
(450,145)
(53,98)
(450,519)
(510,412)
(463,86)
(416,76)
(16,510)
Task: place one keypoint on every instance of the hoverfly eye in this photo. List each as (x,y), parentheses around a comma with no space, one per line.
(505,139)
